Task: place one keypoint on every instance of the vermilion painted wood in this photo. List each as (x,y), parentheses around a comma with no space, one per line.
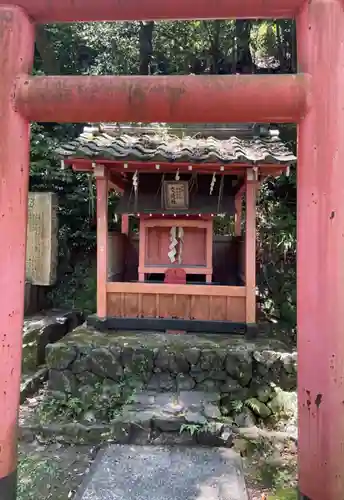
(125,224)
(102,242)
(16,53)
(153,254)
(211,302)
(197,290)
(238,214)
(250,251)
(175,276)
(47,11)
(320,253)
(173,99)
(158,242)
(86,165)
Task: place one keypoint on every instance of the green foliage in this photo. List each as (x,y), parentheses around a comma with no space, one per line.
(277,249)
(278,477)
(31,471)
(194,429)
(285,494)
(78,288)
(101,402)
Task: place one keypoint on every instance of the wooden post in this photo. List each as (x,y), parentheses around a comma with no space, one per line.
(320,253)
(142,247)
(102,239)
(209,249)
(16,53)
(125,224)
(250,248)
(238,214)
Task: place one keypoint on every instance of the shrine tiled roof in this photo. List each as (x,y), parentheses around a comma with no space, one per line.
(161,146)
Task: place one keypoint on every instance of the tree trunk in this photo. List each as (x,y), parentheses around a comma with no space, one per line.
(146,46)
(244,63)
(50,63)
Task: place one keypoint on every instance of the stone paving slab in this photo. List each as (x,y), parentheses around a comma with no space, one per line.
(165,473)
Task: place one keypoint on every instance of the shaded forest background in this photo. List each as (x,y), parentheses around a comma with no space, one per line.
(197,47)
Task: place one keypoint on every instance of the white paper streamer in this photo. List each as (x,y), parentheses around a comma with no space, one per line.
(212,184)
(173,244)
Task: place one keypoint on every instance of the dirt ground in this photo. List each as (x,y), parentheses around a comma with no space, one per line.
(52,471)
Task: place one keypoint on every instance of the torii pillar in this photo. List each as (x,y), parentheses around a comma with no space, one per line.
(16,55)
(320,252)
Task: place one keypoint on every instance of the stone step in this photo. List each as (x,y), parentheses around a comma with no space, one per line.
(189,414)
(165,473)
(170,411)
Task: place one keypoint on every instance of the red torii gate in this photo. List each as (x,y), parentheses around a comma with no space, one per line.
(314,99)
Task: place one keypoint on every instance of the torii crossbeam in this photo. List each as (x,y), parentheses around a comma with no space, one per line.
(314,99)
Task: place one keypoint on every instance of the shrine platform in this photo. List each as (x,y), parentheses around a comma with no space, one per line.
(159,306)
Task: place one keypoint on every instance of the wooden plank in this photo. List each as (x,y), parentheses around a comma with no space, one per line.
(182,307)
(162,269)
(167,306)
(218,308)
(157,288)
(85,165)
(236,309)
(201,308)
(131,305)
(171,221)
(149,306)
(114,305)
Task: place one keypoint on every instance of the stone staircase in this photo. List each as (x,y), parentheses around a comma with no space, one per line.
(187,417)
(173,388)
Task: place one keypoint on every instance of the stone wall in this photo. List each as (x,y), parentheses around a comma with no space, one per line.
(253,374)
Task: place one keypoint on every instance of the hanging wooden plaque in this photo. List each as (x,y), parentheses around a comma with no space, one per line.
(41,251)
(176,195)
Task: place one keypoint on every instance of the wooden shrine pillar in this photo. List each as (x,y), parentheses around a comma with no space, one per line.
(16,54)
(238,212)
(320,252)
(102,239)
(250,248)
(125,224)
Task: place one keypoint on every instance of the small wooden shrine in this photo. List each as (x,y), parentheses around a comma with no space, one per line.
(174,182)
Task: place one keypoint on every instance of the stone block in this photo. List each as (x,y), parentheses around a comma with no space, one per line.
(211,411)
(184,382)
(195,417)
(103,363)
(162,382)
(258,408)
(168,422)
(60,356)
(239,364)
(62,381)
(192,355)
(42,330)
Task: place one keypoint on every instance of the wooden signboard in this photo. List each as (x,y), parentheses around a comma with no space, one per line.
(176,195)
(41,251)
